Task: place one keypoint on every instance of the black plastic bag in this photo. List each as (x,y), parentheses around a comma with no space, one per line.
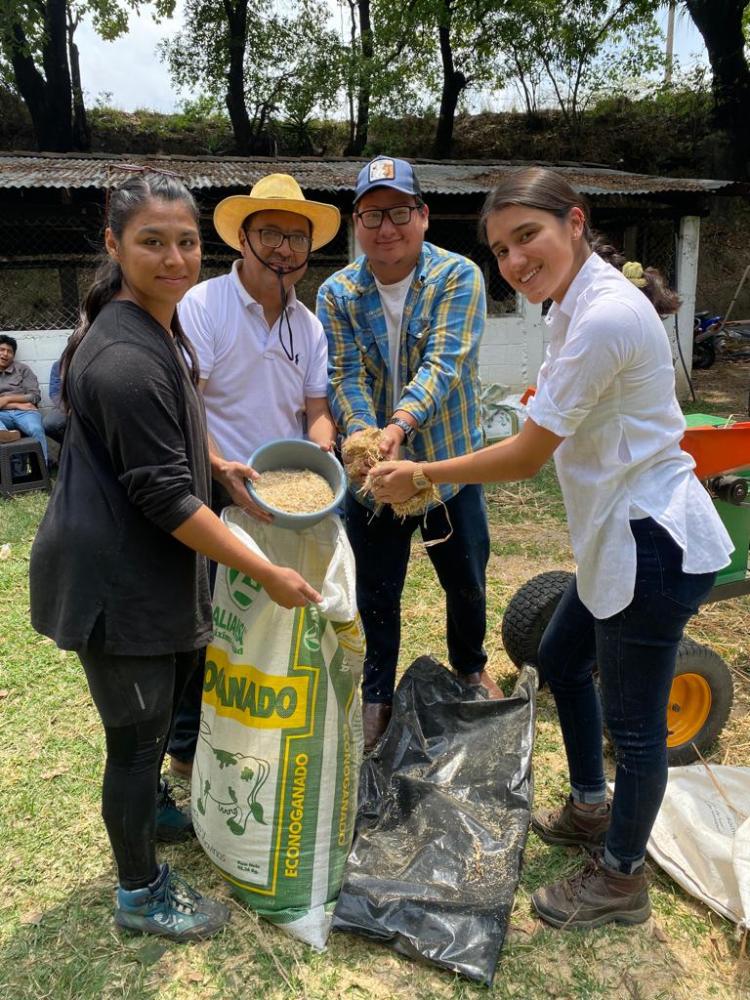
(444,811)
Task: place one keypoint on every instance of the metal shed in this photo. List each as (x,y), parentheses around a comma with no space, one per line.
(53,208)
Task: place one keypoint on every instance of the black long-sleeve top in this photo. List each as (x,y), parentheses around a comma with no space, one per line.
(134,467)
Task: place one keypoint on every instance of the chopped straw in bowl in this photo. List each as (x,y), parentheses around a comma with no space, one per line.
(294,491)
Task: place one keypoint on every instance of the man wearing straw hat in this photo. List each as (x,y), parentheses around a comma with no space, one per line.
(404,322)
(262,354)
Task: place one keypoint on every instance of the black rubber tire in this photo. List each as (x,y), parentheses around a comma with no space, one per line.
(528,613)
(704,354)
(695,658)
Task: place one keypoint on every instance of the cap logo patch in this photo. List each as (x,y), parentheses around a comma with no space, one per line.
(382,170)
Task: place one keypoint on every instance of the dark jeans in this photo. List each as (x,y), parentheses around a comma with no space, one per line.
(135,697)
(635,652)
(381,548)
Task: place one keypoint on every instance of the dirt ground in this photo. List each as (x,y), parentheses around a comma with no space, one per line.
(725,386)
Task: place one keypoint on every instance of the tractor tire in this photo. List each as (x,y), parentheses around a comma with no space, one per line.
(702,693)
(699,703)
(528,613)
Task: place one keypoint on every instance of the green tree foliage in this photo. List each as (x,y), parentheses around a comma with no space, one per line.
(568,49)
(578,51)
(39,59)
(263,62)
(440,47)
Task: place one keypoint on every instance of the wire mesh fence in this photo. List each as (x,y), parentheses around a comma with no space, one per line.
(48,256)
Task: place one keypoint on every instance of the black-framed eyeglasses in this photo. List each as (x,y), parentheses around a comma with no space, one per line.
(400,215)
(272,239)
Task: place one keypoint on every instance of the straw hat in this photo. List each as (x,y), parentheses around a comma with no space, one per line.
(281,193)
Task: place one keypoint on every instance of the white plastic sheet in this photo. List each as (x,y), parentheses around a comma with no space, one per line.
(702,836)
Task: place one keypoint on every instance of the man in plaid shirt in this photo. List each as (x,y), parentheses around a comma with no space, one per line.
(404,322)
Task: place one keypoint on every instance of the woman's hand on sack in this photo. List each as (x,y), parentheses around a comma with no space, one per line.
(233,477)
(286,587)
(392,482)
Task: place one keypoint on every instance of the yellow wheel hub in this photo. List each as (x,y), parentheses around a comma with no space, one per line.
(689,707)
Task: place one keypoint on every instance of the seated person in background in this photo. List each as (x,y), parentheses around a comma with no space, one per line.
(19,396)
(55,419)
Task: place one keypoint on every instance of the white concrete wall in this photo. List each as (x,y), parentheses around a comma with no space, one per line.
(513,347)
(688,246)
(39,349)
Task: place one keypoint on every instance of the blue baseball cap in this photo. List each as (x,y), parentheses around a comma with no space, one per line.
(385,171)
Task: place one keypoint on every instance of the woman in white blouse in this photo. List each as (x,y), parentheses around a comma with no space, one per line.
(645,534)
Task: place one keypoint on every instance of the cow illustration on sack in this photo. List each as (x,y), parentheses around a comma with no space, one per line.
(236,796)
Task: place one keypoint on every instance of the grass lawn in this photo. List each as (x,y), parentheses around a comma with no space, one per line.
(57,939)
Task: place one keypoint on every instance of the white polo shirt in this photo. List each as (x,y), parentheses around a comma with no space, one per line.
(607,386)
(253,392)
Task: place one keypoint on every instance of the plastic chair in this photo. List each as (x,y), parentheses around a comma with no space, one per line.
(38,479)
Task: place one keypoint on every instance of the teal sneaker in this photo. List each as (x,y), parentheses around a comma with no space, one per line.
(172,823)
(171,908)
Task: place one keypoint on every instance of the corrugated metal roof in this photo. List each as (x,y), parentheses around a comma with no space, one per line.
(331,176)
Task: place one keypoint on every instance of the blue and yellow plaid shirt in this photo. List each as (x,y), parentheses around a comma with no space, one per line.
(441,329)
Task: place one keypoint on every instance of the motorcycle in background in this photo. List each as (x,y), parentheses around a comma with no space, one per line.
(707,339)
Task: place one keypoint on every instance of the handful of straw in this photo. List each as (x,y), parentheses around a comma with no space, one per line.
(361,454)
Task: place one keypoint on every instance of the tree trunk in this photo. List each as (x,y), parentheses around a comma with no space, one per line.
(720,24)
(235,97)
(57,74)
(81,130)
(362,125)
(30,82)
(453,83)
(48,96)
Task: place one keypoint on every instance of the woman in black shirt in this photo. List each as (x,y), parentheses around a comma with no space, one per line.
(118,567)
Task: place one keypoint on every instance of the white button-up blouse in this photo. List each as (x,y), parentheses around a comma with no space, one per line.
(607,386)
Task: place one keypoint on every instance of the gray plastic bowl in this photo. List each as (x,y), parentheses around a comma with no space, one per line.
(298,454)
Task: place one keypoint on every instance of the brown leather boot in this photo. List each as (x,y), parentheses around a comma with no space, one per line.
(375,718)
(594,896)
(7,436)
(480,678)
(570,825)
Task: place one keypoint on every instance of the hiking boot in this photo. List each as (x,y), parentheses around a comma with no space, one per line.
(172,823)
(594,896)
(570,825)
(480,678)
(7,436)
(375,718)
(170,907)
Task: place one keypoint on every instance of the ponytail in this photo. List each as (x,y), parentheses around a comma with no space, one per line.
(651,283)
(106,284)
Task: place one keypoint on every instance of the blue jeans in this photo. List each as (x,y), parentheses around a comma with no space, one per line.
(28,422)
(381,548)
(635,652)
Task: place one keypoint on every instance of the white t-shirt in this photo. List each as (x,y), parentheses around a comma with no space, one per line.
(393,299)
(254,393)
(607,387)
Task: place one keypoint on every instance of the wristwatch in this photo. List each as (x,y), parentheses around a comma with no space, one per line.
(419,479)
(406,427)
